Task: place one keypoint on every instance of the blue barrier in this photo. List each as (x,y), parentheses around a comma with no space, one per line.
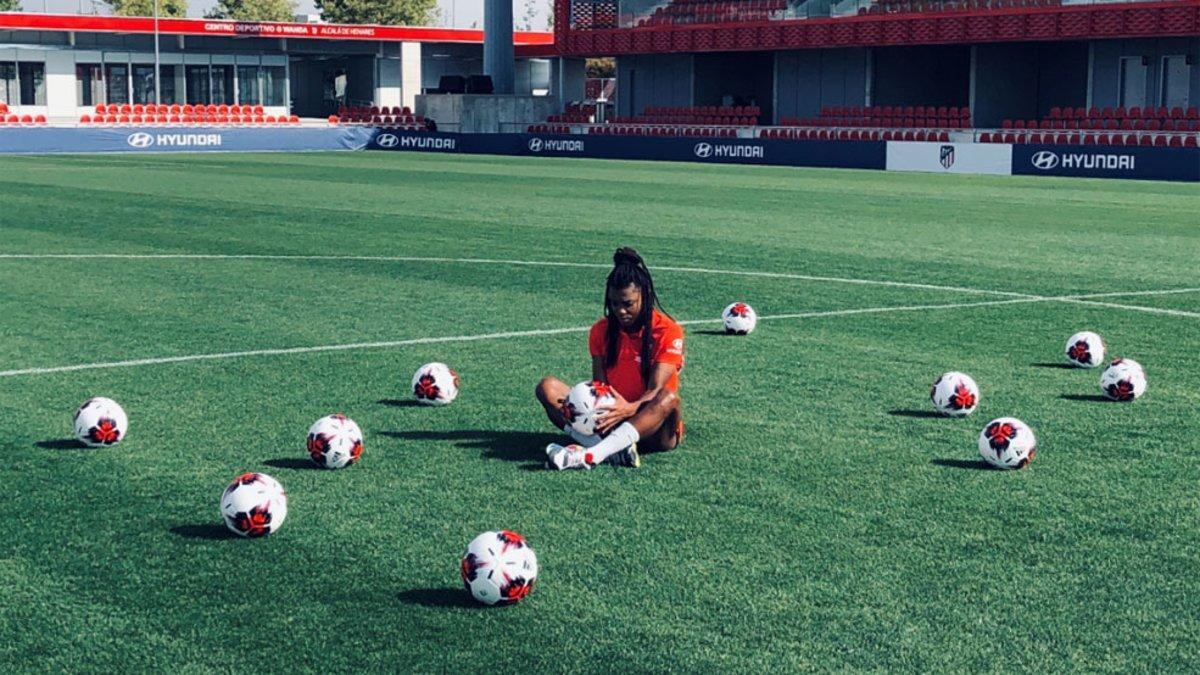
(182,139)
(830,154)
(1143,163)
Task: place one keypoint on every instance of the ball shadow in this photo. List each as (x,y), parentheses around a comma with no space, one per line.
(400,403)
(1092,398)
(1059,366)
(439,597)
(61,444)
(920,414)
(721,333)
(974,464)
(208,531)
(292,463)
(509,446)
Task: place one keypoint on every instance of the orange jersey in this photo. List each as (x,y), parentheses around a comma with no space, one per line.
(626,375)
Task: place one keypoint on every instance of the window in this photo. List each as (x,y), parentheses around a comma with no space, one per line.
(8,83)
(143,84)
(1176,74)
(166,90)
(32,77)
(1133,81)
(89,84)
(274,85)
(249,92)
(198,90)
(116,77)
(222,85)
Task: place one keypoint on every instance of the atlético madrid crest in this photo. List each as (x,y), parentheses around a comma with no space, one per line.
(947,158)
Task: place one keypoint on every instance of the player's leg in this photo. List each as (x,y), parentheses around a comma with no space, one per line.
(668,436)
(552,393)
(646,423)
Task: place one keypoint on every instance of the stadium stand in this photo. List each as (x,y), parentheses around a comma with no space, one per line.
(712,12)
(394,117)
(1150,126)
(174,115)
(911,6)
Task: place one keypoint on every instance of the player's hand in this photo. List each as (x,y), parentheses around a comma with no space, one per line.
(610,416)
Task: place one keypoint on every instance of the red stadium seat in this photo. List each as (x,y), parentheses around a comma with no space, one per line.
(85,119)
(1189,142)
(294,119)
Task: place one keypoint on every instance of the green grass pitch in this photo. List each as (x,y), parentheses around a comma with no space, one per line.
(815,518)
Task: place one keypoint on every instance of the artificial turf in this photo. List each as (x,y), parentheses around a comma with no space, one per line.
(817,517)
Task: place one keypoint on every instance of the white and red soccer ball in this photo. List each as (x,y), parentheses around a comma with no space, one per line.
(955,394)
(1007,443)
(1123,380)
(499,568)
(739,318)
(100,422)
(334,442)
(254,505)
(584,402)
(435,384)
(1085,350)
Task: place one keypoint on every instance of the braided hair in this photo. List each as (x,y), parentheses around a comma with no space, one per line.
(629,269)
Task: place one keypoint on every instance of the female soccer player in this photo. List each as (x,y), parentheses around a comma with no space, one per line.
(638,351)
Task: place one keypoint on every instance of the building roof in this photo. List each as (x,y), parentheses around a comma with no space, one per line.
(528,43)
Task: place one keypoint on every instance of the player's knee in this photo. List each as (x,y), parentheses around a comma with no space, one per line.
(541,391)
(666,400)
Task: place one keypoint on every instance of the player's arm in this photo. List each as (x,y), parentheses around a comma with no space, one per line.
(623,410)
(598,374)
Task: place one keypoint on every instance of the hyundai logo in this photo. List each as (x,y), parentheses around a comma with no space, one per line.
(387,140)
(140,140)
(535,145)
(1045,160)
(704,150)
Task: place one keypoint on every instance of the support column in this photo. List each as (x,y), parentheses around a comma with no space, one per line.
(498,52)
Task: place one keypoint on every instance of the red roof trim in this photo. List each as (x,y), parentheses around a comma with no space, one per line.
(211,27)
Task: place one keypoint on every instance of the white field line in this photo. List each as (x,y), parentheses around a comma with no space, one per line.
(1137,308)
(493,261)
(474,338)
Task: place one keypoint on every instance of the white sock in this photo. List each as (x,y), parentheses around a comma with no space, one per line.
(622,437)
(585,441)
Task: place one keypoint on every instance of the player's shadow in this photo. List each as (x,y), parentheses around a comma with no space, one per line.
(209,531)
(1059,366)
(439,597)
(1090,398)
(975,464)
(510,446)
(61,444)
(920,414)
(399,403)
(291,463)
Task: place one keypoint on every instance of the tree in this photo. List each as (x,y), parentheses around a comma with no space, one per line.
(528,15)
(146,7)
(254,10)
(10,5)
(382,12)
(602,67)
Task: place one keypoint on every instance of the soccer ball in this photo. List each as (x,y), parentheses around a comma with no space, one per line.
(583,404)
(254,505)
(334,442)
(1085,349)
(739,318)
(1123,380)
(1007,443)
(955,394)
(435,384)
(100,422)
(499,568)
